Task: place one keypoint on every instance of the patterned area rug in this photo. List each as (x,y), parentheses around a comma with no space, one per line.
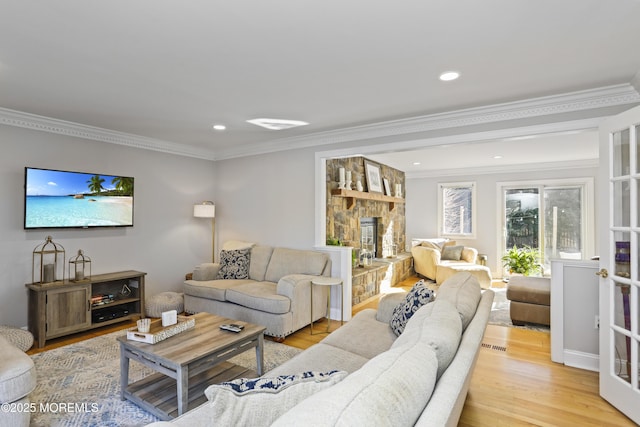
(79,384)
(500,312)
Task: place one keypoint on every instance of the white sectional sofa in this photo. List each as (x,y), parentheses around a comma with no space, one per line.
(418,378)
(274,291)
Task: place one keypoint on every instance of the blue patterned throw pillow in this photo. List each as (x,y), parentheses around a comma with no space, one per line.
(234,264)
(259,402)
(418,296)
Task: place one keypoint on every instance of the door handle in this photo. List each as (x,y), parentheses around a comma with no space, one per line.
(603,273)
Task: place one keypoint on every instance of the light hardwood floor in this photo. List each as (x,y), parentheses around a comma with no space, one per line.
(514,382)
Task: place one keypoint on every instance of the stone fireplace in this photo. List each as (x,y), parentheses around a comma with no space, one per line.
(371,219)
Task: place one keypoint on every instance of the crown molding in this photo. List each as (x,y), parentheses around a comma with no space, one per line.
(61,127)
(491,170)
(608,96)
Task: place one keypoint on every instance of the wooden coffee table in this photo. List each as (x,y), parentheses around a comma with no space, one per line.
(187,363)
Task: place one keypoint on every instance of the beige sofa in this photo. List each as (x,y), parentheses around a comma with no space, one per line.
(276,292)
(418,378)
(17,381)
(430,261)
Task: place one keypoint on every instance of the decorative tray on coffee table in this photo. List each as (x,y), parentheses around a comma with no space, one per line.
(158,333)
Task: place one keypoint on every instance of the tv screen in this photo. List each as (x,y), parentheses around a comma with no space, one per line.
(64,199)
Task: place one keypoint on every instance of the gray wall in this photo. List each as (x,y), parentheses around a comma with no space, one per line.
(166,240)
(267,199)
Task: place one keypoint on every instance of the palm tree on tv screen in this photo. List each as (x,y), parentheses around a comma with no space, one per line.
(95,184)
(124,185)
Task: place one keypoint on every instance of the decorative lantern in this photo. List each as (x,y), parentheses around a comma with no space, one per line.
(48,262)
(79,267)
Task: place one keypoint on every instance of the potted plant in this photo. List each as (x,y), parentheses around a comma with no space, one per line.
(524,260)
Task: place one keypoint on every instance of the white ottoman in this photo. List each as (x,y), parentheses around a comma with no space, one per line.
(18,337)
(164,301)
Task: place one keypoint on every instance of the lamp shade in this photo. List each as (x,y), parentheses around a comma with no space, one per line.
(204,210)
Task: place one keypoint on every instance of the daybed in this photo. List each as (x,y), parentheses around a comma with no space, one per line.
(440,259)
(420,377)
(261,284)
(17,381)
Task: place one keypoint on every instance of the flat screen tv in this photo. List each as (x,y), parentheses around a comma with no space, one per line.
(65,199)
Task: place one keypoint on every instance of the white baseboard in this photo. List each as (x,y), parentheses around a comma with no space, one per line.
(578,359)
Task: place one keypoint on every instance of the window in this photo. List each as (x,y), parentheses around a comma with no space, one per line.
(456,213)
(555,217)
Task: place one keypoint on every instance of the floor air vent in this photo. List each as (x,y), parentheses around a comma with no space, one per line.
(494,347)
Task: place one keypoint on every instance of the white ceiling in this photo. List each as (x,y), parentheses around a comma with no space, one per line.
(169,70)
(497,155)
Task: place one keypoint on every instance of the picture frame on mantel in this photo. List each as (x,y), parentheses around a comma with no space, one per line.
(387,187)
(374,178)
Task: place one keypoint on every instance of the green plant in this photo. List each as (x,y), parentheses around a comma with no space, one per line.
(524,260)
(333,241)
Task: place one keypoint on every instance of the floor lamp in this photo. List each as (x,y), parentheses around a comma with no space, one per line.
(208,210)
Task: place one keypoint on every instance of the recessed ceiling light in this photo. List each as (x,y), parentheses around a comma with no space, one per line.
(497,156)
(416,163)
(277,124)
(449,75)
(219,127)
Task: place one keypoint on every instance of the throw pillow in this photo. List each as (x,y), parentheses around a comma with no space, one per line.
(260,401)
(234,264)
(452,253)
(418,296)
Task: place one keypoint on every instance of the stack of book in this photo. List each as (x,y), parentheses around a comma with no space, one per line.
(101,299)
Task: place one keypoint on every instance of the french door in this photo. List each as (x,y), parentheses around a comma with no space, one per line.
(619,233)
(551,216)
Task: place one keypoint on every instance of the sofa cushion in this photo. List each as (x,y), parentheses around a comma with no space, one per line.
(323,358)
(356,335)
(17,373)
(452,253)
(206,271)
(391,389)
(260,401)
(260,296)
(211,289)
(234,264)
(463,291)
(260,257)
(439,325)
(387,304)
(418,296)
(286,261)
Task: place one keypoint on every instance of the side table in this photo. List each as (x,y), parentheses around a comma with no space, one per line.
(328,281)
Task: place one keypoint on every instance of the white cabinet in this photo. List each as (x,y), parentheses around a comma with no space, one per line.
(574,313)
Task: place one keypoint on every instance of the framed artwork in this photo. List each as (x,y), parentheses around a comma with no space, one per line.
(374,180)
(387,187)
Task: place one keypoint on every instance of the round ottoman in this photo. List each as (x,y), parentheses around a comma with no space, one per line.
(164,301)
(18,337)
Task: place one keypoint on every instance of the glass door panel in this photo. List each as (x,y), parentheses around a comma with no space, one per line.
(521,214)
(620,153)
(563,223)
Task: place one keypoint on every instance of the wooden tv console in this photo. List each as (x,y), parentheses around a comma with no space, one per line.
(63,308)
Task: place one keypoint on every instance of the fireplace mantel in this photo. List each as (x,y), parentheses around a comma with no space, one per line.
(352,195)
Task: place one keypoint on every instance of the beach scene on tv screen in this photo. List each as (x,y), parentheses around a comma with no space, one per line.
(75,199)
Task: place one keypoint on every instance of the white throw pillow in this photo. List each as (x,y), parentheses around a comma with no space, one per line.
(260,401)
